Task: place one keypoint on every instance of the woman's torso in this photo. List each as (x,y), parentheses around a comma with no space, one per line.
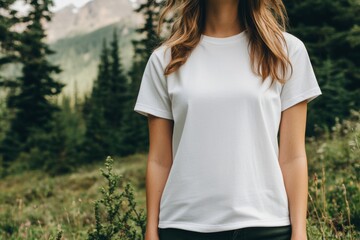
(225,173)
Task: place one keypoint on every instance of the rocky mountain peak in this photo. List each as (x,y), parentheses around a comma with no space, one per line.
(70,20)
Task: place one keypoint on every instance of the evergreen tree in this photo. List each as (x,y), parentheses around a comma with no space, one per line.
(330,31)
(106,104)
(77,102)
(135,128)
(8,55)
(102,85)
(8,43)
(96,142)
(144,46)
(68,132)
(34,110)
(118,97)
(118,85)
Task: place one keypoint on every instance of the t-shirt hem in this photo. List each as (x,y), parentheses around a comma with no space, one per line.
(224,227)
(144,109)
(308,95)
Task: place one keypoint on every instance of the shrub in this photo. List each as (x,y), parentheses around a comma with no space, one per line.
(115,213)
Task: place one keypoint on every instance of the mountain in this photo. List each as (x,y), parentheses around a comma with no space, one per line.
(71,21)
(76,35)
(78,56)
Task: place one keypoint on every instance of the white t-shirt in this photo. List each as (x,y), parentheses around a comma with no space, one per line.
(225,173)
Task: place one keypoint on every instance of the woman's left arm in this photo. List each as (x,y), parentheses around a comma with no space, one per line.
(293,163)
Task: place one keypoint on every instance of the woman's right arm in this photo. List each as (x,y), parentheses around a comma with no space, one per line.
(158,166)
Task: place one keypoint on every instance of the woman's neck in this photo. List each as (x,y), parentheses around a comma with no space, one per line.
(222,19)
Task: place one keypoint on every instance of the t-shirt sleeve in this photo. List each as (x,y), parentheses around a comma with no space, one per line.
(302,85)
(153,96)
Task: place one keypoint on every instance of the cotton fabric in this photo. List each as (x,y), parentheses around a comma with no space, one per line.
(225,173)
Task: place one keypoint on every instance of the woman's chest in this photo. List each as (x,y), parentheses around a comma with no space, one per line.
(221,77)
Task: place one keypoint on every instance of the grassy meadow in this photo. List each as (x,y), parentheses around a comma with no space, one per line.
(34,205)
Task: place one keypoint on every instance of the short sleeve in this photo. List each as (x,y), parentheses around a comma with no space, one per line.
(153,96)
(302,85)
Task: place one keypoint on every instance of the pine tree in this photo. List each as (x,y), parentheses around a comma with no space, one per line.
(102,85)
(8,55)
(96,142)
(34,110)
(144,46)
(118,85)
(118,97)
(135,128)
(330,32)
(8,37)
(106,104)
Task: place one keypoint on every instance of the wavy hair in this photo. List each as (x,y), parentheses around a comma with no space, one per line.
(264,21)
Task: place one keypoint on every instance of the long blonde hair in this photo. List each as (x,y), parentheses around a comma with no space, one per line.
(264,21)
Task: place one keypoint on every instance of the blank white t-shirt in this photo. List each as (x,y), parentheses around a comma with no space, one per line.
(225,173)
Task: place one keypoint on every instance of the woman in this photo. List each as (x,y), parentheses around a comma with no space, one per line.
(216,93)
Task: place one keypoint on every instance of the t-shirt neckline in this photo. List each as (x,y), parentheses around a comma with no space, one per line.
(223,40)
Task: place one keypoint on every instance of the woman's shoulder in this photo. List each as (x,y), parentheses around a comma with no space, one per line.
(161,54)
(293,42)
(161,50)
(292,39)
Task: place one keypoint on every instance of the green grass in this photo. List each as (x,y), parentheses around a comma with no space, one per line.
(34,205)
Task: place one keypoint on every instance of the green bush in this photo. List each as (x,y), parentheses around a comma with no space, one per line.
(115,213)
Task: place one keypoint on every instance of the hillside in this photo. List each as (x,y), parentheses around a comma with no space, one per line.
(71,21)
(79,56)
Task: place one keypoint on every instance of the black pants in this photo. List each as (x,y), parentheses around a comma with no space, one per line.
(247,233)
